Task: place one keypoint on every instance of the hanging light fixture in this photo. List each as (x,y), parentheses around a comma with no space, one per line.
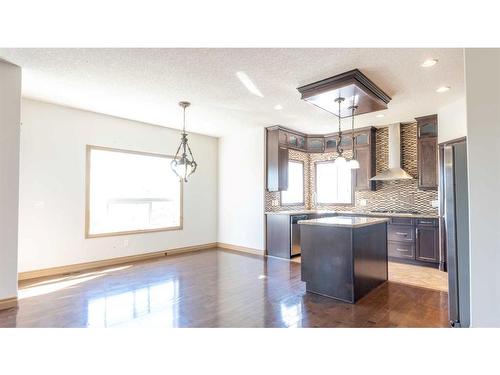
(353,163)
(340,161)
(183,165)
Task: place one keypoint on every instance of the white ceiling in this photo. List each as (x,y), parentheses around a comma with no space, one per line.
(146,84)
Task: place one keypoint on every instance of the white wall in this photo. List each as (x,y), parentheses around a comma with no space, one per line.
(482,78)
(452,121)
(52,186)
(241,189)
(10,103)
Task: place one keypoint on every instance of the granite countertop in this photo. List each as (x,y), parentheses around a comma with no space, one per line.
(365,213)
(345,221)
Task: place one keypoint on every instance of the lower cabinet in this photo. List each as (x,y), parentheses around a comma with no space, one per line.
(427,246)
(413,240)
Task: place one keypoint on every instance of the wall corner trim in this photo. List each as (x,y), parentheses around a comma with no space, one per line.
(242,249)
(8,303)
(71,268)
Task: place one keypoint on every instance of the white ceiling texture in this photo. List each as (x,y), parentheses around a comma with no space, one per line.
(146,84)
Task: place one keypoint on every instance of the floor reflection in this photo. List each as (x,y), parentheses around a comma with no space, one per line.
(155,305)
(291,314)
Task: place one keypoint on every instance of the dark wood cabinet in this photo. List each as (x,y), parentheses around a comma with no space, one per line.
(427,152)
(331,143)
(427,244)
(277,162)
(315,144)
(280,139)
(364,152)
(278,236)
(414,240)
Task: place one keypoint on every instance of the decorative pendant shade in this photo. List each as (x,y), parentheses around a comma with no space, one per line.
(183,163)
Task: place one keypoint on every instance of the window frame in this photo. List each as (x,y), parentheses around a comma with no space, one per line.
(316,186)
(303,186)
(89,149)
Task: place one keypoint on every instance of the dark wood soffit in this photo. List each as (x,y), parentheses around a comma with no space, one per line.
(344,79)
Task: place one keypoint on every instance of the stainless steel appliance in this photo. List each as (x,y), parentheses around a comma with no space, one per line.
(295,233)
(455,234)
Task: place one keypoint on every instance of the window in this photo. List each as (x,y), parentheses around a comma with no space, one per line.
(295,193)
(333,184)
(130,192)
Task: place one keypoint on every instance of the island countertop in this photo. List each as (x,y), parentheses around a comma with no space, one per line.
(345,221)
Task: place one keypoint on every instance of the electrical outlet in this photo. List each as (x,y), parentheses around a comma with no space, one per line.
(435,203)
(125,243)
(363,202)
(275,202)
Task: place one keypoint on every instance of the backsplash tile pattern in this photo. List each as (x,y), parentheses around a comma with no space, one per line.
(390,195)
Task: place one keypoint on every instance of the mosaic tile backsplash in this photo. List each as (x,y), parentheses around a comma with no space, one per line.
(390,195)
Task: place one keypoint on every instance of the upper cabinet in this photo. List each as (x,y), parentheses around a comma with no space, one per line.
(292,140)
(364,152)
(315,144)
(331,143)
(277,162)
(427,151)
(280,140)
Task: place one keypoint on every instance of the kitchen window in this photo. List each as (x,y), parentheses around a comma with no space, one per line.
(130,192)
(294,195)
(333,184)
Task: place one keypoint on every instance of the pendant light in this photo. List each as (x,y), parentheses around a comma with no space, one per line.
(353,163)
(183,165)
(340,161)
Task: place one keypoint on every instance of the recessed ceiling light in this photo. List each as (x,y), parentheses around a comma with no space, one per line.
(428,63)
(249,84)
(380,115)
(278,107)
(443,89)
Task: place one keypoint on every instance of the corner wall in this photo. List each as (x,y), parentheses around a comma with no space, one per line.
(10,106)
(241,189)
(52,186)
(482,78)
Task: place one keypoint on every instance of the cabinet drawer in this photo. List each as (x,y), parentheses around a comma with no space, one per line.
(402,221)
(400,233)
(428,222)
(401,250)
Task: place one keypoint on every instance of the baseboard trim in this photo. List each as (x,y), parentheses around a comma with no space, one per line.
(53,271)
(242,249)
(8,303)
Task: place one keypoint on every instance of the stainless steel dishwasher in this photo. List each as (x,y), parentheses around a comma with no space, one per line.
(295,233)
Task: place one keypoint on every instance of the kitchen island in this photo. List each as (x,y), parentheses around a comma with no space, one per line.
(343,257)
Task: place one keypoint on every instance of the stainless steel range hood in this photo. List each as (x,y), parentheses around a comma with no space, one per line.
(395,172)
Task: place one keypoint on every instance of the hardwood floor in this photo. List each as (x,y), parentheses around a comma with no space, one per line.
(213,288)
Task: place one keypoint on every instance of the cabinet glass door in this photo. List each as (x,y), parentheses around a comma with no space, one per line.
(428,129)
(362,139)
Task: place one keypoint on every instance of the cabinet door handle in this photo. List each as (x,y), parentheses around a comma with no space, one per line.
(402,234)
(402,250)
